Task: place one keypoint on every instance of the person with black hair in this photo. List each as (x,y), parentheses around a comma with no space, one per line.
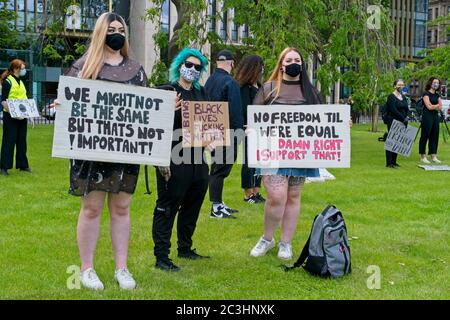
(248,75)
(396,108)
(430,120)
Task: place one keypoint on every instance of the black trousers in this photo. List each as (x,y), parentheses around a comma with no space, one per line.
(224,157)
(14,136)
(391,157)
(248,178)
(183,194)
(430,132)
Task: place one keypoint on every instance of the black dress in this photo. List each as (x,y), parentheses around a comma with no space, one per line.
(87,176)
(430,126)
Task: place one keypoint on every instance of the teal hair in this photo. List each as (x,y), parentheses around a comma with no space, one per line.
(174,72)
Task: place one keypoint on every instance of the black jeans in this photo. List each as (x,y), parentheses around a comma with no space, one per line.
(248,178)
(391,157)
(14,136)
(430,132)
(220,169)
(183,194)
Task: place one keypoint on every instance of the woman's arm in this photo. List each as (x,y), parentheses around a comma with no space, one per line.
(427,103)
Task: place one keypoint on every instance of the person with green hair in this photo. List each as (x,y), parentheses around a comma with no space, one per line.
(181,186)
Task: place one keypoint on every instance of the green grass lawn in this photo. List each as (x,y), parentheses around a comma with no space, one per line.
(400,217)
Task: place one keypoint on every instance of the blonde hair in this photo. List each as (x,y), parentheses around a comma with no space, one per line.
(277,74)
(95,55)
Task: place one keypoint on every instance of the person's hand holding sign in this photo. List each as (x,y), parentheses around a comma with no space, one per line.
(178,102)
(165,172)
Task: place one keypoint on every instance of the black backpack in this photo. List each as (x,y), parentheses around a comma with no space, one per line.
(327,252)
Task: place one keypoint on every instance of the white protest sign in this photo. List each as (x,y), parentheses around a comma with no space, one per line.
(400,139)
(113,122)
(299,136)
(22,108)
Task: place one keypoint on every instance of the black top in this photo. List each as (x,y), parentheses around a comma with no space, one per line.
(396,109)
(193,94)
(248,93)
(434,99)
(6,88)
(222,87)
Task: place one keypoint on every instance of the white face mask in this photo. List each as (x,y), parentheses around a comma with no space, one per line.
(190,74)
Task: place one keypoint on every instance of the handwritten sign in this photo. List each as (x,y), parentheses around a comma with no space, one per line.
(20,109)
(113,122)
(400,139)
(205,123)
(299,136)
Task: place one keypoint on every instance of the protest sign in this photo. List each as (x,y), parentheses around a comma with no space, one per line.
(400,139)
(205,122)
(19,109)
(113,122)
(299,136)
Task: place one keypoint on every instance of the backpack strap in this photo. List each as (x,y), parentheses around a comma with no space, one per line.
(303,256)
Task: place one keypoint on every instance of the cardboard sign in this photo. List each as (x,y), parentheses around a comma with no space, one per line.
(113,122)
(205,123)
(20,109)
(400,139)
(299,136)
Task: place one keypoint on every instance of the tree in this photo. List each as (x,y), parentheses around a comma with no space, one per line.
(349,49)
(9,37)
(437,61)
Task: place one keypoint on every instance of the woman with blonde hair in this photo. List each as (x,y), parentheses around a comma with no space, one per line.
(106,59)
(288,84)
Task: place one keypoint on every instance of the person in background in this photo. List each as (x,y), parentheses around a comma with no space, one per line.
(288,84)
(107,59)
(396,108)
(181,187)
(14,130)
(430,120)
(222,87)
(248,75)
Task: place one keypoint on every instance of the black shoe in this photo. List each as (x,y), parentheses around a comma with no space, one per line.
(192,255)
(25,169)
(230,211)
(4,172)
(251,199)
(166,265)
(221,213)
(391,166)
(260,197)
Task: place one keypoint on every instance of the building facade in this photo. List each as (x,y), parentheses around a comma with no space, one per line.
(438,36)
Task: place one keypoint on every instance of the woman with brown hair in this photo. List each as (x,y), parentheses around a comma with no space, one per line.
(106,59)
(288,84)
(248,75)
(14,130)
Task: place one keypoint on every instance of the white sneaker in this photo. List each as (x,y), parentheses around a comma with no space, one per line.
(262,247)
(90,280)
(436,160)
(424,160)
(284,251)
(125,279)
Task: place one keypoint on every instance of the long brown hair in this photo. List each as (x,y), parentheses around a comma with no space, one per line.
(249,70)
(309,91)
(95,56)
(15,64)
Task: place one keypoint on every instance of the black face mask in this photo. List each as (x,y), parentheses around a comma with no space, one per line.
(115,41)
(293,69)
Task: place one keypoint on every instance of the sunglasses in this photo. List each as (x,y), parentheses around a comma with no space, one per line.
(189,65)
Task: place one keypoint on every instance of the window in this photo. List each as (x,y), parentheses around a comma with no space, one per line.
(224,26)
(436,12)
(420,6)
(212,11)
(234,29)
(21,15)
(245,32)
(165,17)
(430,14)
